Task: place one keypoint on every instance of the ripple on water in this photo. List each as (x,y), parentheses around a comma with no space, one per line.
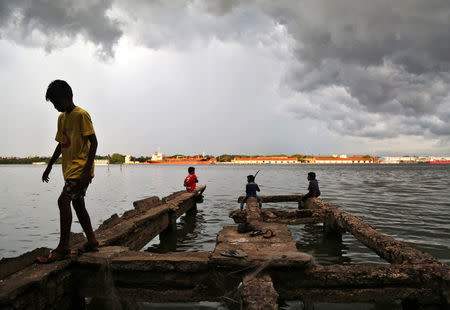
(403,201)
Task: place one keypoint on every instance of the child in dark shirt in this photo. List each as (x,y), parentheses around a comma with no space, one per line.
(250,189)
(313,188)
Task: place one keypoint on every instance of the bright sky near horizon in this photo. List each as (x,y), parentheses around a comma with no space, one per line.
(228,76)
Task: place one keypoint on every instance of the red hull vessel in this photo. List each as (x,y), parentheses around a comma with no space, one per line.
(159,159)
(438,162)
(182,162)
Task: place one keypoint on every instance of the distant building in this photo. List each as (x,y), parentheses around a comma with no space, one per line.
(101,162)
(128,160)
(340,160)
(307,160)
(399,159)
(265,160)
(340,156)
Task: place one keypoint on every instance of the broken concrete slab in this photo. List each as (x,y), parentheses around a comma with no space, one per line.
(258,293)
(386,247)
(277,198)
(8,266)
(121,258)
(149,218)
(37,287)
(279,250)
(288,217)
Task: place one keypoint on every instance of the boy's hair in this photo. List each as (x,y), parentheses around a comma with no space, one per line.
(58,89)
(312,175)
(191,169)
(250,178)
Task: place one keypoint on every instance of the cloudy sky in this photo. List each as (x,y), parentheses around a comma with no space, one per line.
(259,77)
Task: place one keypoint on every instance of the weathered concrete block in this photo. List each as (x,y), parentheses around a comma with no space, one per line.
(258,293)
(147,203)
(9,266)
(112,221)
(277,198)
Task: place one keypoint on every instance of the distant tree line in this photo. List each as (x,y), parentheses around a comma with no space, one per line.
(227,157)
(117,158)
(23,161)
(141,159)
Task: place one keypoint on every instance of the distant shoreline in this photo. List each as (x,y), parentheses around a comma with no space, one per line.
(246,164)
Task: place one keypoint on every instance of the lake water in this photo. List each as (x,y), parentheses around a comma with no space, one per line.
(408,202)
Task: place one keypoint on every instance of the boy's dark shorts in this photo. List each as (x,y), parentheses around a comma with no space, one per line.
(74,188)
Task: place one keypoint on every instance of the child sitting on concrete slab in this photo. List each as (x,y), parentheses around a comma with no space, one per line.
(313,188)
(190,182)
(250,189)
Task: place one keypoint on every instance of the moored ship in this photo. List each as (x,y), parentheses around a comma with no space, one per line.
(159,159)
(441,160)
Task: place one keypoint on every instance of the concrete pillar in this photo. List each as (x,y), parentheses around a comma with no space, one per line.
(258,293)
(192,211)
(168,237)
(330,226)
(77,302)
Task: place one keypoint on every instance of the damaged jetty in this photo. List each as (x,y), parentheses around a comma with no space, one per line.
(251,269)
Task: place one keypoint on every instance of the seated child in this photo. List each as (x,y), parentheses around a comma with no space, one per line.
(190,182)
(313,188)
(250,189)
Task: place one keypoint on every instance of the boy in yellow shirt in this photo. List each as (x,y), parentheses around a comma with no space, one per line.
(78,144)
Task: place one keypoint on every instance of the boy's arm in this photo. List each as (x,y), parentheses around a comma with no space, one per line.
(86,175)
(257,188)
(55,156)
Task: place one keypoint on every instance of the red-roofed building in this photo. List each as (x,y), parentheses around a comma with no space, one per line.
(265,160)
(337,160)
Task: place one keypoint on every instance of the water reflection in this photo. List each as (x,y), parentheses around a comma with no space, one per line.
(104,304)
(171,241)
(407,202)
(299,305)
(326,249)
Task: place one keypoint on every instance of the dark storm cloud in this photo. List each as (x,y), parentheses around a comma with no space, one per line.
(184,24)
(365,68)
(58,23)
(392,57)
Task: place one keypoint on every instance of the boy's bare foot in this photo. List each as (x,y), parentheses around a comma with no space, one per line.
(55,255)
(89,247)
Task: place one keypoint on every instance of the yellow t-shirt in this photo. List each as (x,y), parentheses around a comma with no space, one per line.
(73,129)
